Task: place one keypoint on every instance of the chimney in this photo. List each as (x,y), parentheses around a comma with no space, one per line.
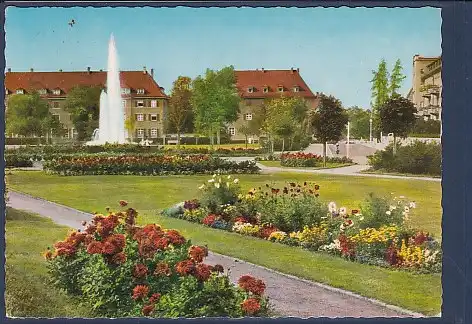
(152,73)
(298,70)
(31,70)
(262,70)
(144,70)
(60,70)
(88,69)
(9,69)
(292,70)
(101,70)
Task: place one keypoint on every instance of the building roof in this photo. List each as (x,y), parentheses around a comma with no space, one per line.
(67,80)
(273,79)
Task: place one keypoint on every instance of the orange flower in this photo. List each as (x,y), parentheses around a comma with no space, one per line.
(175,237)
(154,298)
(148,309)
(140,292)
(185,267)
(202,272)
(47,254)
(119,258)
(197,253)
(251,284)
(140,270)
(123,203)
(95,247)
(251,306)
(162,269)
(108,248)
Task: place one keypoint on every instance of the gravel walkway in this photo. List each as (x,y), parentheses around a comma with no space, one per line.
(289,295)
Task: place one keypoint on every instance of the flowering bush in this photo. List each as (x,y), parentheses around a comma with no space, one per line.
(301,159)
(218,192)
(145,165)
(122,269)
(377,234)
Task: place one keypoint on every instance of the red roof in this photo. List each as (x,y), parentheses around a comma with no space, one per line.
(67,80)
(273,79)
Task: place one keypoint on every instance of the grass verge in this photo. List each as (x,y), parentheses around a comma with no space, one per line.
(329,165)
(28,291)
(369,171)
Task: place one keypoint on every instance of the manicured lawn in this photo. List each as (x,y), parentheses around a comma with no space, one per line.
(28,291)
(328,165)
(400,174)
(223,146)
(148,195)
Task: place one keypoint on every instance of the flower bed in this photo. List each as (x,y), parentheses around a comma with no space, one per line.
(378,233)
(121,269)
(301,159)
(145,165)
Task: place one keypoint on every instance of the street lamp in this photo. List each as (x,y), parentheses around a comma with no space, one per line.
(370,128)
(347,145)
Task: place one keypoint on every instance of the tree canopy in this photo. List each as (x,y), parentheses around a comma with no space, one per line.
(397,116)
(180,107)
(359,122)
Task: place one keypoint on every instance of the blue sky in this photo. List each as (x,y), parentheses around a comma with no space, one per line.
(335,48)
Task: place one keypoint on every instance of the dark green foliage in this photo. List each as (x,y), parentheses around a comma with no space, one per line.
(375,209)
(397,116)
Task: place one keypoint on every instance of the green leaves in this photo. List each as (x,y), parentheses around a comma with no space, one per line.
(397,115)
(329,119)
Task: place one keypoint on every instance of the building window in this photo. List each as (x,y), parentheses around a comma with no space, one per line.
(154,117)
(55,104)
(280,89)
(232,131)
(125,91)
(153,103)
(140,103)
(154,132)
(296,89)
(123,102)
(140,91)
(42,92)
(250,89)
(266,89)
(56,92)
(248,117)
(20,91)
(140,133)
(140,117)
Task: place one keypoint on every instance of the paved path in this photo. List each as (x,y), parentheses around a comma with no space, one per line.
(289,295)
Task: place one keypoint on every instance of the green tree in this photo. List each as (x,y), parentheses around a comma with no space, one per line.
(280,119)
(180,106)
(130,124)
(380,93)
(83,103)
(328,121)
(215,101)
(359,122)
(28,115)
(397,116)
(396,79)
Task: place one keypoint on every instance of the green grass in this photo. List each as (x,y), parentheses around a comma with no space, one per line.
(329,165)
(223,146)
(28,291)
(369,171)
(421,293)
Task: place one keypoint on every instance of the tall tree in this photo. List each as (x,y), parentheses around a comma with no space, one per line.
(180,106)
(215,101)
(380,93)
(359,122)
(28,115)
(397,116)
(130,124)
(329,121)
(83,103)
(280,121)
(396,79)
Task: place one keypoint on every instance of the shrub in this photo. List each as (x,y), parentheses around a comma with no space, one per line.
(17,160)
(416,158)
(121,269)
(301,159)
(380,211)
(218,192)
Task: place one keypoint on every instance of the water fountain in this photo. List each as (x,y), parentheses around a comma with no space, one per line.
(111,124)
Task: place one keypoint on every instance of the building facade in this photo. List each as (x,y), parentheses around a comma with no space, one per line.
(144,100)
(426,92)
(255,86)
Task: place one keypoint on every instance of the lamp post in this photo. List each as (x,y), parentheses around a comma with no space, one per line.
(347,145)
(370,128)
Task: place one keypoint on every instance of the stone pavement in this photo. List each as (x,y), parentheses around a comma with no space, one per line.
(290,296)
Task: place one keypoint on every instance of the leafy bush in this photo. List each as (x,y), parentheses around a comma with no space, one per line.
(121,269)
(380,211)
(218,192)
(301,159)
(416,158)
(17,161)
(145,165)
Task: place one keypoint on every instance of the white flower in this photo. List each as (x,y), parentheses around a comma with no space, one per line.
(236,180)
(402,197)
(412,204)
(388,212)
(332,207)
(362,218)
(217,185)
(201,187)
(393,207)
(342,211)
(229,177)
(407,209)
(214,176)
(211,180)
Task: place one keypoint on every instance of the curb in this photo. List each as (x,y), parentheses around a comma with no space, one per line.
(309,282)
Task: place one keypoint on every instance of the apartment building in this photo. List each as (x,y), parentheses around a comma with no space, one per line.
(426,92)
(255,86)
(144,100)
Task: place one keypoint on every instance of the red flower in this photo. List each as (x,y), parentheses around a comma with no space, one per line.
(140,270)
(154,298)
(161,243)
(251,284)
(119,258)
(95,247)
(162,269)
(140,292)
(209,220)
(118,240)
(251,306)
(123,203)
(197,253)
(202,272)
(185,267)
(241,220)
(347,246)
(174,237)
(90,229)
(148,309)
(355,211)
(108,248)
